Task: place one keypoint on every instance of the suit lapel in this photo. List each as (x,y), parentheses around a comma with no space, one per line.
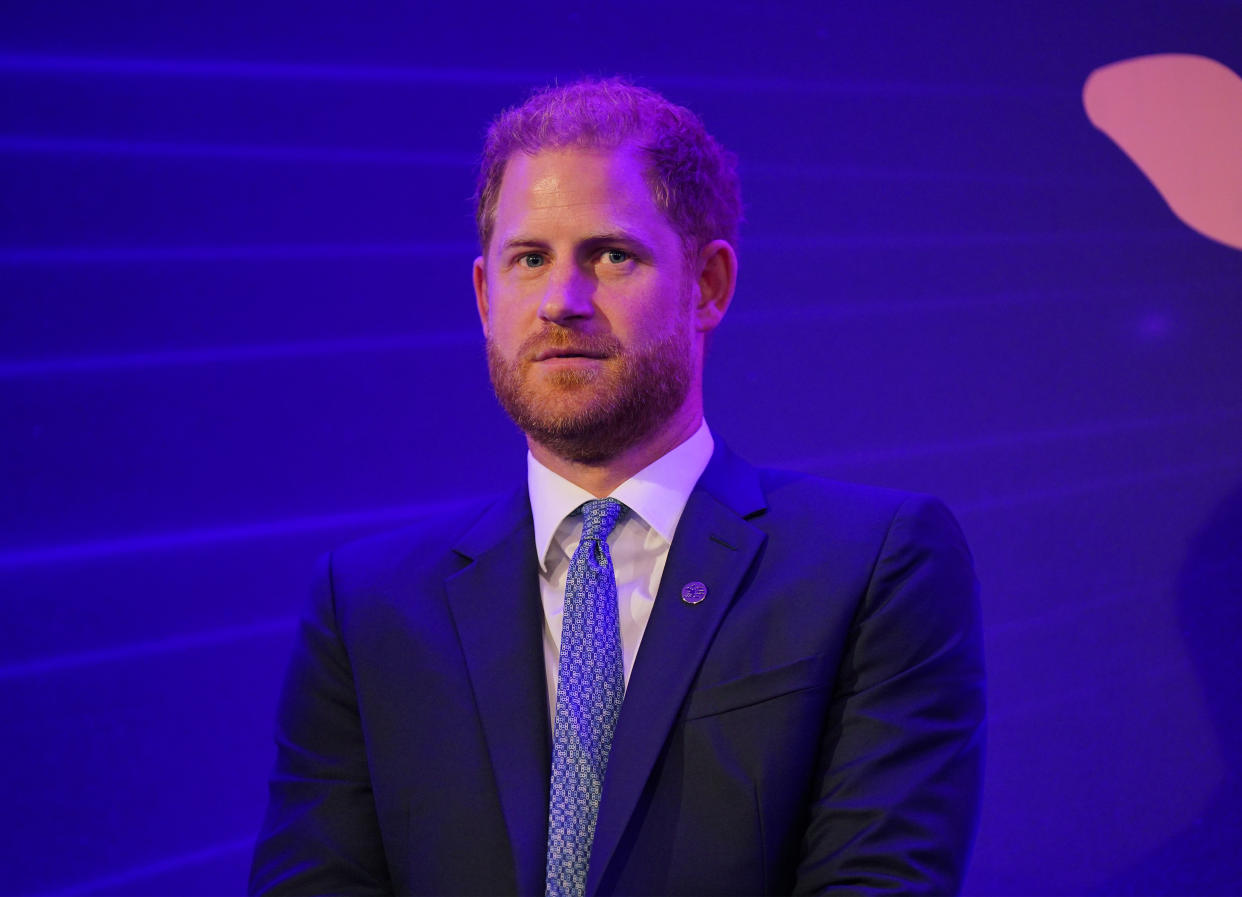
(496,607)
(714,545)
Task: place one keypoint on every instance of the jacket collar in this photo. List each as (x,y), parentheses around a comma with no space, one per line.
(495,605)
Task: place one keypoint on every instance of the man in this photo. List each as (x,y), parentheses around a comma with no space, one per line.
(652,669)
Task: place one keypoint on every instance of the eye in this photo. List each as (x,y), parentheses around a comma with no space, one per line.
(530,260)
(616,256)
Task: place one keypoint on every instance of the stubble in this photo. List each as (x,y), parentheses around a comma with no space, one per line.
(591,416)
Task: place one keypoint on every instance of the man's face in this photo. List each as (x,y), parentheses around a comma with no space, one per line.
(586,304)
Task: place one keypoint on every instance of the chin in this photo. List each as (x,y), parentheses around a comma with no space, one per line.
(560,383)
(593,413)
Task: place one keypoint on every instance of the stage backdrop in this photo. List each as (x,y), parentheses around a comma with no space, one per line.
(237,328)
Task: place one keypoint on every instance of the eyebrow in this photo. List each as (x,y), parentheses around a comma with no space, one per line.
(613,237)
(591,241)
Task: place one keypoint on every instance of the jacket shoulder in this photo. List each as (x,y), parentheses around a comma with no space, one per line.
(850,514)
(422,548)
(791,491)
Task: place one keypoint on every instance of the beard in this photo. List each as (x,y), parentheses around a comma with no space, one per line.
(591,416)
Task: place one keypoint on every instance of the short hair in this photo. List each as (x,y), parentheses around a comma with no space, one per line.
(693,179)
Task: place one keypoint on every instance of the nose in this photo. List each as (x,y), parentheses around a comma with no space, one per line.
(568,296)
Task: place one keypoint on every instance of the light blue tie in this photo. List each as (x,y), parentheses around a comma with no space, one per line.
(589,691)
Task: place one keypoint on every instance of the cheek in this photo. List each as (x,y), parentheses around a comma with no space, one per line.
(672,313)
(656,310)
(502,331)
(501,307)
(510,324)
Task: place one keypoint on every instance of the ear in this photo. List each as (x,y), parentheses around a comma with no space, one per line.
(717,268)
(480,292)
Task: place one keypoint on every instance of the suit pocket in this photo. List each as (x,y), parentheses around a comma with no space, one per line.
(758,687)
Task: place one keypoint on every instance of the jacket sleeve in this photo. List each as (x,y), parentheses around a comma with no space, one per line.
(320,834)
(897,788)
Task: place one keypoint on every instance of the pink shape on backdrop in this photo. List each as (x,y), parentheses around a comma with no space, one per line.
(1179,118)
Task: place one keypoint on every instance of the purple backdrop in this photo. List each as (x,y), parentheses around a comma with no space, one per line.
(237,328)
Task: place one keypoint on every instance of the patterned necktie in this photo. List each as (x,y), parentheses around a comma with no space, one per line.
(589,691)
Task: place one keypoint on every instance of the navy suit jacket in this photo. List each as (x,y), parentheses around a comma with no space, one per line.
(816,723)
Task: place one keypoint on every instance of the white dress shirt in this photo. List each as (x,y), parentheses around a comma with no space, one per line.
(639,543)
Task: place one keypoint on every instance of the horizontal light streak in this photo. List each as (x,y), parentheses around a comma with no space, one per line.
(1099,484)
(171,540)
(117,881)
(1013,440)
(34,144)
(11,143)
(264,71)
(966,239)
(776,313)
(295,251)
(471,77)
(169,645)
(847,172)
(88,364)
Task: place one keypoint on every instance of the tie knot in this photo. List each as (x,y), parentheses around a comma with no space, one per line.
(599,517)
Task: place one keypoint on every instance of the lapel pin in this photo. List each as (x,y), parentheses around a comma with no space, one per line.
(693,592)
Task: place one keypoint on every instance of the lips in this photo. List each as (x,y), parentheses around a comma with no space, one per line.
(569,352)
(553,344)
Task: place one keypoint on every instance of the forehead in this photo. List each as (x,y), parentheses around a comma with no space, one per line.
(576,188)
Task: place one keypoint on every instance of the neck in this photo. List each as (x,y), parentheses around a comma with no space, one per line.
(602,478)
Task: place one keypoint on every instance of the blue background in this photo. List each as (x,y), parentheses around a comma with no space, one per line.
(237,329)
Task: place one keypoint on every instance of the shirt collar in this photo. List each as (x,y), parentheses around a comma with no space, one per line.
(658,493)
